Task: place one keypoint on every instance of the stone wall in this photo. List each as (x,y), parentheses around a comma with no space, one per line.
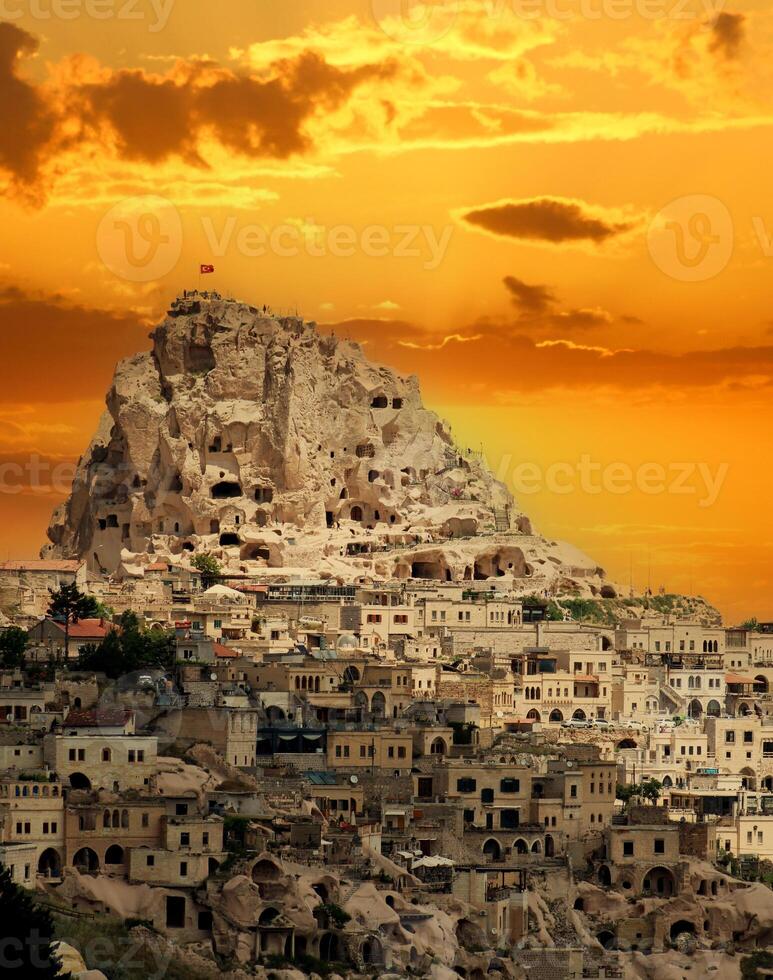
(697,840)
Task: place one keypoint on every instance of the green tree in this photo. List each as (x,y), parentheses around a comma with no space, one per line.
(626,793)
(750,624)
(13,643)
(129,648)
(209,567)
(650,789)
(68,605)
(26,932)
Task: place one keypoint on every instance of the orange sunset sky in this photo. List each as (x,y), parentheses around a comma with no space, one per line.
(558,213)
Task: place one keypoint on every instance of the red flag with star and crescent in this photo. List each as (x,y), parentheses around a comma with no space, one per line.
(206,269)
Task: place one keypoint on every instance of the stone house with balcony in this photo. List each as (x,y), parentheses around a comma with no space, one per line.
(32,814)
(100,833)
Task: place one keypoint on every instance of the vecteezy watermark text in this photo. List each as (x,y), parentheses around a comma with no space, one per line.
(583,475)
(155,12)
(339,241)
(586,475)
(425,22)
(140,239)
(125,952)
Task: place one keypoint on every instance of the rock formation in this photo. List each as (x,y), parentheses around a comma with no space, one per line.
(284,451)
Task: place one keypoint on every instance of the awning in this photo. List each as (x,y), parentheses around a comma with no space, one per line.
(739,679)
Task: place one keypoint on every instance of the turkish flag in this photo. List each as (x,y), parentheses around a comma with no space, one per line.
(206,269)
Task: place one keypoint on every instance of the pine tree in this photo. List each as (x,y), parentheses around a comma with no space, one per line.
(26,932)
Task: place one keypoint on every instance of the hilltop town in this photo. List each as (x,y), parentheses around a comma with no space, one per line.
(296,689)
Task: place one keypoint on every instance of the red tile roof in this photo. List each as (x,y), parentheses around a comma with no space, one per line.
(98,717)
(87,628)
(224,651)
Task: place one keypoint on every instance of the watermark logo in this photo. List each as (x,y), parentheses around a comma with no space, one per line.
(414,21)
(691,238)
(140,238)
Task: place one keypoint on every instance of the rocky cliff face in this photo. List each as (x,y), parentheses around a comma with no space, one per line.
(274,447)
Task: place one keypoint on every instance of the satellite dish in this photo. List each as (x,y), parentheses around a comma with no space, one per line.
(353,780)
(213,677)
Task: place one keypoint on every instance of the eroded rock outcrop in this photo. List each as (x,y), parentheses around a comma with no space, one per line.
(273,446)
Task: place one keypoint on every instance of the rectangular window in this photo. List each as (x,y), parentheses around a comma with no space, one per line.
(660,846)
(151,860)
(131,755)
(71,755)
(145,819)
(748,737)
(205,838)
(573,790)
(185,839)
(628,848)
(401,752)
(729,738)
(183,869)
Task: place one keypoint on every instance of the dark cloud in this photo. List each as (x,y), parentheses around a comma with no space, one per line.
(534,299)
(727,34)
(27,123)
(151,117)
(155,117)
(81,344)
(545,219)
(537,308)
